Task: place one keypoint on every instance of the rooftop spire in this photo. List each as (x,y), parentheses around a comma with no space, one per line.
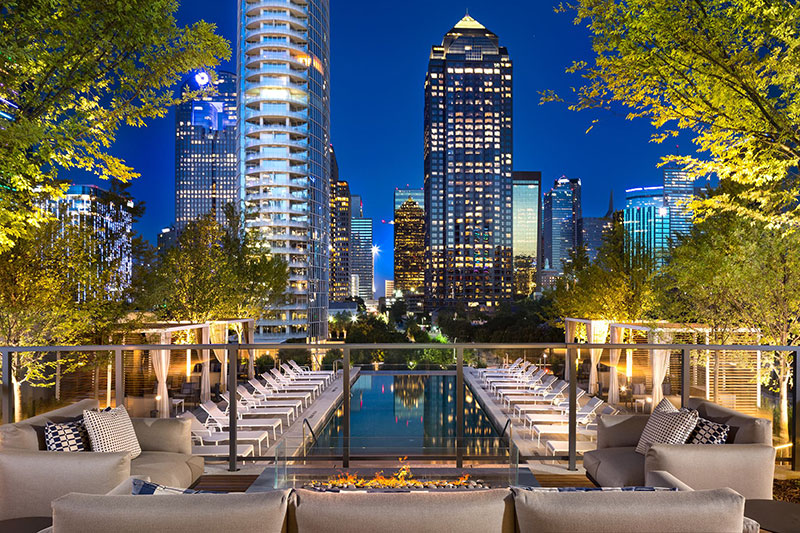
(469,23)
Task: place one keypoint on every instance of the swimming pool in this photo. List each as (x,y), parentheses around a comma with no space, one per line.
(408,413)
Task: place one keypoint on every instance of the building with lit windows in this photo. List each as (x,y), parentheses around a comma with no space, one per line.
(105,220)
(284,160)
(678,192)
(647,224)
(361,263)
(340,241)
(594,230)
(527,209)
(401,195)
(388,288)
(409,248)
(467,166)
(206,171)
(561,223)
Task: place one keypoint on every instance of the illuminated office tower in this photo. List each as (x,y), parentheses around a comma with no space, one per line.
(647,224)
(206,171)
(361,257)
(284,159)
(527,208)
(401,195)
(409,248)
(678,192)
(561,223)
(594,230)
(340,241)
(468,151)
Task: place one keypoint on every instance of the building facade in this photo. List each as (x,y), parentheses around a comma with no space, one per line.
(409,248)
(646,219)
(678,192)
(561,223)
(340,241)
(361,262)
(467,166)
(527,232)
(594,230)
(206,170)
(284,151)
(105,220)
(401,195)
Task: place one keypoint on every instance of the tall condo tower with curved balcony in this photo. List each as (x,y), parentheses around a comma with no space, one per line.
(284,159)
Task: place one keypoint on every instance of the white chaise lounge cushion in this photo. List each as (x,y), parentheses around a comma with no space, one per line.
(112,431)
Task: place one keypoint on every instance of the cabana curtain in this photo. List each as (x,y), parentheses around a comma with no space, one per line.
(249,338)
(219,335)
(596,332)
(205,376)
(614,355)
(659,363)
(570,328)
(160,361)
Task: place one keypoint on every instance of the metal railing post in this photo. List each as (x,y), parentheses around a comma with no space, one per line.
(460,408)
(685,372)
(795,407)
(119,378)
(233,369)
(573,406)
(346,406)
(8,389)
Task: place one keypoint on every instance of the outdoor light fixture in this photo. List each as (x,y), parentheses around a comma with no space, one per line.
(202,78)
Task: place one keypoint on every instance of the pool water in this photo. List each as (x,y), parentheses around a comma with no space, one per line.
(408,414)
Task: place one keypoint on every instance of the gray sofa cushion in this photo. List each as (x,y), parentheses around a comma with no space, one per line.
(615,467)
(463,512)
(164,434)
(81,513)
(30,480)
(710,511)
(29,433)
(744,429)
(166,468)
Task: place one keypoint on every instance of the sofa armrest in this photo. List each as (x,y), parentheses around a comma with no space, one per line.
(746,468)
(617,431)
(164,434)
(30,480)
(660,478)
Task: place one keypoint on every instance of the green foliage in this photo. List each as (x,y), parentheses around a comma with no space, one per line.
(263,363)
(329,358)
(77,70)
(724,70)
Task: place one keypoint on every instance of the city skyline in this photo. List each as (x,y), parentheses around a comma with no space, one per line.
(615,155)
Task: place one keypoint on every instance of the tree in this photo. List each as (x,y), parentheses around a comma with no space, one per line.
(72,72)
(724,70)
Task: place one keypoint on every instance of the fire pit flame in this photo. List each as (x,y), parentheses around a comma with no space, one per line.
(402,479)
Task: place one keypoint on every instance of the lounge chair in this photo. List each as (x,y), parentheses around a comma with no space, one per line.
(558,406)
(242,450)
(284,386)
(285,392)
(251,408)
(270,397)
(290,374)
(220,420)
(329,375)
(506,389)
(583,416)
(205,435)
(546,392)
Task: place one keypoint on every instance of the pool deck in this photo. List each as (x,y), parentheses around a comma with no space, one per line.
(316,414)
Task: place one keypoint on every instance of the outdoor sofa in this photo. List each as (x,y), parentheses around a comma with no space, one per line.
(746,463)
(31,477)
(484,511)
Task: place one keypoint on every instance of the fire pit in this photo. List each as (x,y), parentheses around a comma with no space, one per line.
(402,480)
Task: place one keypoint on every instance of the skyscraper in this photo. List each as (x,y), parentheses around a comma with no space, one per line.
(206,173)
(647,223)
(361,275)
(527,207)
(561,227)
(594,230)
(284,159)
(409,248)
(468,152)
(401,195)
(678,192)
(340,241)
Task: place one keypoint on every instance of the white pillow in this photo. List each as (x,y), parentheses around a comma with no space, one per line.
(112,431)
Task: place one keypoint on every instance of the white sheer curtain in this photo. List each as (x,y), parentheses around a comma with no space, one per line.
(219,335)
(596,332)
(161,367)
(570,328)
(249,338)
(205,376)
(659,362)
(614,355)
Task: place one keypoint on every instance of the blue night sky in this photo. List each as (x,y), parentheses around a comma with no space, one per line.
(379,55)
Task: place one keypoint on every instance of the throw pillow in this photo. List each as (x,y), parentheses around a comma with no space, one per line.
(66,437)
(667,428)
(140,487)
(112,431)
(708,432)
(664,406)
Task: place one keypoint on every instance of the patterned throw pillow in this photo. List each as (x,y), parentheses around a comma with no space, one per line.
(112,431)
(140,487)
(665,406)
(708,432)
(66,437)
(667,428)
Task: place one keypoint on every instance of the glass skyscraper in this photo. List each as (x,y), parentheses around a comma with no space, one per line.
(409,248)
(206,172)
(468,161)
(340,241)
(527,207)
(678,192)
(361,274)
(647,223)
(561,223)
(284,158)
(401,195)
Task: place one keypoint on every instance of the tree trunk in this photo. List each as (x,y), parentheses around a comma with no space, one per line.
(17,386)
(784,410)
(96,381)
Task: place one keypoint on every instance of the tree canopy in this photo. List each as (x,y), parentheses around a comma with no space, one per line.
(71,73)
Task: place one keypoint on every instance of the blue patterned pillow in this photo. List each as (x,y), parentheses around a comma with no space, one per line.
(66,436)
(140,487)
(708,432)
